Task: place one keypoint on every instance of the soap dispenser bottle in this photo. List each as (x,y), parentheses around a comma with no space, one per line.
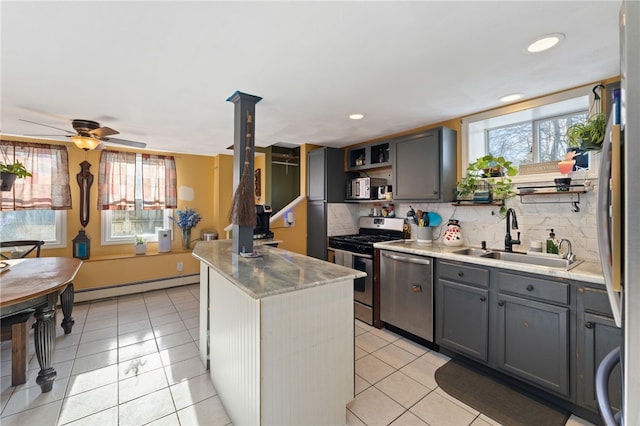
(552,243)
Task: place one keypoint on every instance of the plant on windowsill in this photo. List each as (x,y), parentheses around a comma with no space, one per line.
(140,245)
(10,172)
(496,171)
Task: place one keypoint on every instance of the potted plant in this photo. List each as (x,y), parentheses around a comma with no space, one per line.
(496,171)
(588,134)
(140,245)
(10,172)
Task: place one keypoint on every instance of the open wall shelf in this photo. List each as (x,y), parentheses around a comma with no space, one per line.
(548,194)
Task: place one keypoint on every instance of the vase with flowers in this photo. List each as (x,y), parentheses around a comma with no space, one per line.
(186,219)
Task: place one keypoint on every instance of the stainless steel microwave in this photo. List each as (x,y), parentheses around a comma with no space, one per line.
(365,188)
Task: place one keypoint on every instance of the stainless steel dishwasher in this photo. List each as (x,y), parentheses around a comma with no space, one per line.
(406,292)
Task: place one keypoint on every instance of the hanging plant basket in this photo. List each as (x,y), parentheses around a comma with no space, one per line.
(8,179)
(10,172)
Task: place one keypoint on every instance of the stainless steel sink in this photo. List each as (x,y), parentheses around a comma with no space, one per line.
(550,262)
(471,251)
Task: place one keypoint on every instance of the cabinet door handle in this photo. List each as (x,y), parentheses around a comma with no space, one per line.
(588,324)
(529,287)
(483,298)
(501,303)
(460,273)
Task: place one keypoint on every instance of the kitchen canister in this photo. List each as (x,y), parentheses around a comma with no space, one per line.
(452,236)
(424,235)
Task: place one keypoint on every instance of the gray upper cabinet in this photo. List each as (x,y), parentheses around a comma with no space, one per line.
(326,178)
(424,166)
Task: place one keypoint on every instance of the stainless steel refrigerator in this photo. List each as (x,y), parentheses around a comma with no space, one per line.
(618,225)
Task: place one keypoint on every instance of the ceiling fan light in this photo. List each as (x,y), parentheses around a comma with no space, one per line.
(85,143)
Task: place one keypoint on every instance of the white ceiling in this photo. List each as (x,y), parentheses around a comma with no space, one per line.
(160,72)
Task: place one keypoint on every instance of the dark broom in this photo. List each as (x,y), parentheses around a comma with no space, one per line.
(243,209)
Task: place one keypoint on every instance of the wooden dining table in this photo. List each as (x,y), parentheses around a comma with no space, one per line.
(36,283)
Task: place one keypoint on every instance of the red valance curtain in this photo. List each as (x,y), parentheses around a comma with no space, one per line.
(48,188)
(117,181)
(159,182)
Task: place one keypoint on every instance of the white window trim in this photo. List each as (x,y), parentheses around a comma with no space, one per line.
(61,232)
(594,162)
(108,240)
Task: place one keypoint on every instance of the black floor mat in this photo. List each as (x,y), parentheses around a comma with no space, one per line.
(495,399)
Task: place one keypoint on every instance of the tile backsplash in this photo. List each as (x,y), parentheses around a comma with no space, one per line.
(482,222)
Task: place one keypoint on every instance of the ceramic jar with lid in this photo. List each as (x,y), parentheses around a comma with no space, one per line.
(452,236)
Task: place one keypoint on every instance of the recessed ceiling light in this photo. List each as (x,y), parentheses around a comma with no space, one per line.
(545,42)
(356,116)
(510,98)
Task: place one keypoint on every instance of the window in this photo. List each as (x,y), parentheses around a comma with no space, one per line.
(49,226)
(526,133)
(126,217)
(35,208)
(533,141)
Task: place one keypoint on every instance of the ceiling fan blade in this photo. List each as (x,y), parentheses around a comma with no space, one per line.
(125,142)
(38,135)
(101,132)
(46,125)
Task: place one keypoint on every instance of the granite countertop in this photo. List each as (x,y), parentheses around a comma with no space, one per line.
(587,271)
(276,271)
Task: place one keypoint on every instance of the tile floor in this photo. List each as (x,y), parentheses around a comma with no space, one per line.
(134,360)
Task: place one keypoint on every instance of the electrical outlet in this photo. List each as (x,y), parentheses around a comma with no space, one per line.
(180,266)
(289,219)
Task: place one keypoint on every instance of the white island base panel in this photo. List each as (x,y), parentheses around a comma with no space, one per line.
(286,359)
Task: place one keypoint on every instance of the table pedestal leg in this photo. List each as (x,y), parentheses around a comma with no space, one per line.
(45,339)
(66,301)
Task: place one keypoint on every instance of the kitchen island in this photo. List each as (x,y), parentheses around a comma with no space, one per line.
(277,332)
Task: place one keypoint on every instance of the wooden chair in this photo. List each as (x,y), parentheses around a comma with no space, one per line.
(16,326)
(30,245)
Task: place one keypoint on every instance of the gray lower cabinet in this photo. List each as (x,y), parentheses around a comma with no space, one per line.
(533,342)
(517,323)
(551,333)
(462,309)
(597,336)
(534,330)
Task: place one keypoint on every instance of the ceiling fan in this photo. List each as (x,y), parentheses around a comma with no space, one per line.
(88,134)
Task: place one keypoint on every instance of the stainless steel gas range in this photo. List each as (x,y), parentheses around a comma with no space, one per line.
(356,251)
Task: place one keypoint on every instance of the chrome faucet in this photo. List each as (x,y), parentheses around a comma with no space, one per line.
(569,256)
(508,241)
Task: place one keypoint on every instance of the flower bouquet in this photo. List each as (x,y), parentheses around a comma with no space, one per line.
(186,220)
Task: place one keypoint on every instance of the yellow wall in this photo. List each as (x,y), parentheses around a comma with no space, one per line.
(223,194)
(117,264)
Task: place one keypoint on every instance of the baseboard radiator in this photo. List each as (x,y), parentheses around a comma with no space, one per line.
(85,295)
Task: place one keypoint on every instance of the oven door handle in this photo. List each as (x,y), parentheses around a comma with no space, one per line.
(406,259)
